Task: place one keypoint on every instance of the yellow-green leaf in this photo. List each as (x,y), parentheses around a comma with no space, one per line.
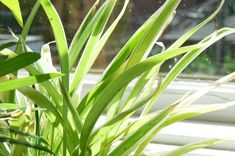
(14,6)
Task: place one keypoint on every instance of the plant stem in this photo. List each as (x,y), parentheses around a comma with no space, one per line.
(37,125)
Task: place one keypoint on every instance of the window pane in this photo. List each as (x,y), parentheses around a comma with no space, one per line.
(216,60)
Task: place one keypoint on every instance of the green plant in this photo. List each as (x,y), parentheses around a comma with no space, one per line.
(52,117)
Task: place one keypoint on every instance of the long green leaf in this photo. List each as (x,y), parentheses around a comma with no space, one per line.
(187,35)
(18,62)
(28,23)
(149,39)
(26,144)
(28,135)
(76,117)
(10,106)
(42,102)
(62,48)
(194,146)
(14,6)
(7,45)
(193,111)
(60,38)
(23,82)
(83,33)
(52,90)
(197,95)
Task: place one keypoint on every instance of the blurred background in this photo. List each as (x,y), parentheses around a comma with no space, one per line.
(218,60)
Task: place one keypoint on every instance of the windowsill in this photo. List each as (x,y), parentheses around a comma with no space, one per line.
(220,124)
(177,89)
(162,149)
(182,133)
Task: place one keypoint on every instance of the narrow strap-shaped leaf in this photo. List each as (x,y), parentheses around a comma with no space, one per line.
(177,115)
(160,23)
(93,94)
(76,117)
(119,60)
(25,143)
(18,62)
(180,42)
(183,111)
(100,45)
(20,47)
(60,38)
(23,82)
(62,48)
(7,45)
(187,35)
(87,102)
(10,106)
(194,146)
(90,52)
(14,6)
(197,95)
(11,130)
(83,33)
(109,31)
(42,102)
(132,141)
(187,112)
(114,104)
(26,27)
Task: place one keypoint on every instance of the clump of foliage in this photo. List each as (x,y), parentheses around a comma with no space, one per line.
(41,115)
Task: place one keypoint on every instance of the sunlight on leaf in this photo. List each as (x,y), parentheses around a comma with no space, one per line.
(14,6)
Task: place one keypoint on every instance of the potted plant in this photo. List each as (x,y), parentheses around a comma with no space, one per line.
(44,116)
